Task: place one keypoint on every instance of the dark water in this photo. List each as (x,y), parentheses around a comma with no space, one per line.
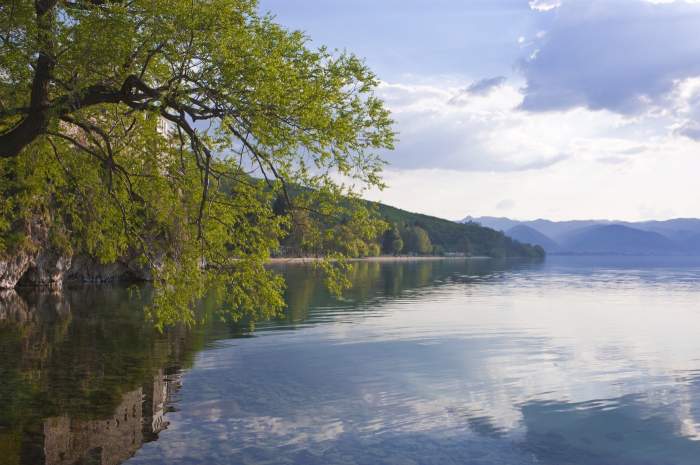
(575,361)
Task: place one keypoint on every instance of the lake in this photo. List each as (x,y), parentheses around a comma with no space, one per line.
(577,360)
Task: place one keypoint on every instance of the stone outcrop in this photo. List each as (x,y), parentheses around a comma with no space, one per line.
(38,262)
(51,269)
(13,268)
(47,268)
(87,270)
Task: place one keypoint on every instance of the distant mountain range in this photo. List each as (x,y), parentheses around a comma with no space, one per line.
(602,237)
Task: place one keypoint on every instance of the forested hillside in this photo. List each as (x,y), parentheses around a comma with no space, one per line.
(450,237)
(399,232)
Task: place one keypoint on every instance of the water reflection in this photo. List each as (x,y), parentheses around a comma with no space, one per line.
(84,379)
(376,283)
(445,362)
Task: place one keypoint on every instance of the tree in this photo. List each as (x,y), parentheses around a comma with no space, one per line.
(397,245)
(251,110)
(464,245)
(416,240)
(373,250)
(392,244)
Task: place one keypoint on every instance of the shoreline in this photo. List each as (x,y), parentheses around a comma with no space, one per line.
(381,258)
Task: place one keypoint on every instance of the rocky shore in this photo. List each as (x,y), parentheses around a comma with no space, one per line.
(45,267)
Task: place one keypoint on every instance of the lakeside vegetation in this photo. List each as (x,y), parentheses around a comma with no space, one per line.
(400,232)
(449,237)
(129,132)
(170,154)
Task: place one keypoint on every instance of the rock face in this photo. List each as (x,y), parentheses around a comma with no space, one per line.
(51,269)
(86,270)
(39,263)
(13,268)
(46,269)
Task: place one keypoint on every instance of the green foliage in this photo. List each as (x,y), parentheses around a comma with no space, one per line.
(416,241)
(449,237)
(397,246)
(392,244)
(438,250)
(320,225)
(374,250)
(99,179)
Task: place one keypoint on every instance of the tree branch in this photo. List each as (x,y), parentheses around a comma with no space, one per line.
(37,119)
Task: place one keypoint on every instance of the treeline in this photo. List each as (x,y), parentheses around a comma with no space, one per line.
(406,233)
(423,235)
(408,240)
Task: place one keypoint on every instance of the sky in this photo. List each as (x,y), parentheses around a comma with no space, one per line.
(558,109)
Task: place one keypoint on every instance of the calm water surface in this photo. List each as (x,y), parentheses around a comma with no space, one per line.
(589,361)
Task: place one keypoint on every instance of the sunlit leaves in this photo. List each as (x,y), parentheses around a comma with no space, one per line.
(257,113)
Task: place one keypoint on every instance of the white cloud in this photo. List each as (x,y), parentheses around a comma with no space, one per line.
(544,5)
(485,86)
(443,125)
(610,91)
(506,204)
(464,159)
(621,55)
(603,122)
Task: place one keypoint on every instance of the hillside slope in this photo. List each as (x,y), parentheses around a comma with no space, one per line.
(452,237)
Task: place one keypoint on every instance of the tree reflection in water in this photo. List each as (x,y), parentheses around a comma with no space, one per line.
(86,378)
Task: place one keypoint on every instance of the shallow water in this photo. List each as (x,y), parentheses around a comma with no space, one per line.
(585,360)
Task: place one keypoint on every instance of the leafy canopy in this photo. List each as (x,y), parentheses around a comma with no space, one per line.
(251,109)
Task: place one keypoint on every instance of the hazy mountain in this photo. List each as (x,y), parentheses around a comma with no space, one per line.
(676,236)
(528,235)
(499,224)
(559,229)
(552,229)
(681,229)
(691,244)
(615,239)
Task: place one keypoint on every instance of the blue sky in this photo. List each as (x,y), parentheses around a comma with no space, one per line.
(406,37)
(529,108)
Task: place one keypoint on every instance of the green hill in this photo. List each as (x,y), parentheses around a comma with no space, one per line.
(410,233)
(451,237)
